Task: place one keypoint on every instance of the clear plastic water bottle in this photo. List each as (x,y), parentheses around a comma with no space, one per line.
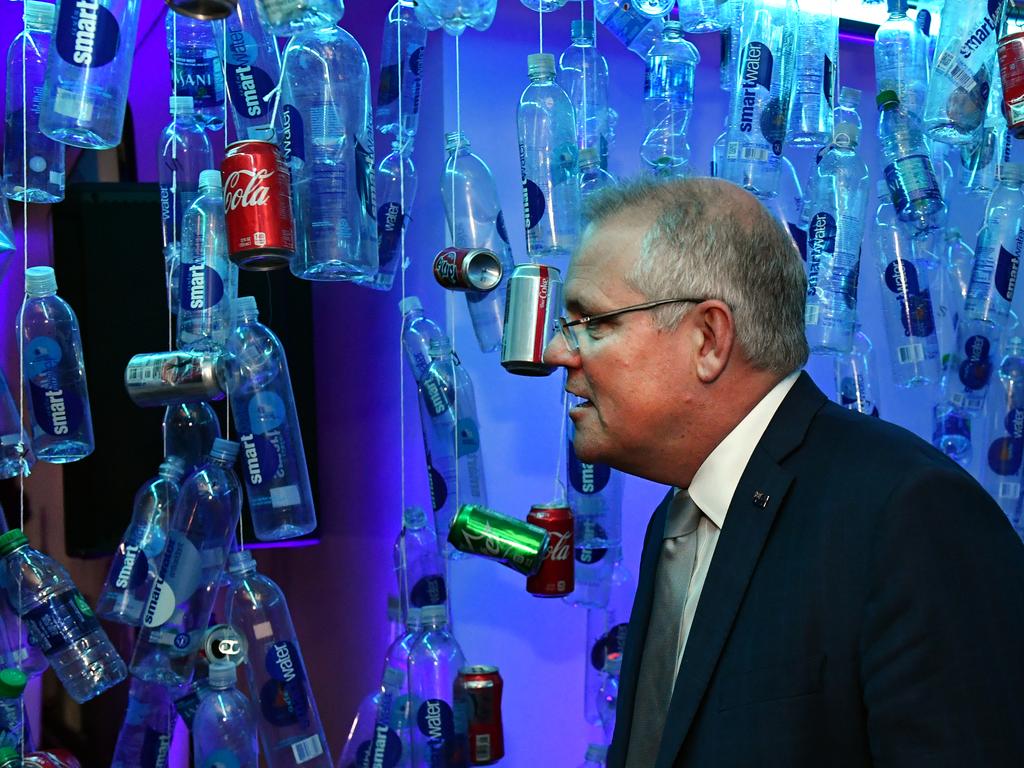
(374,738)
(990,292)
(549,164)
(263,408)
(700,16)
(252,70)
(595,757)
(6,231)
(286,18)
(15,646)
(440,730)
(856,377)
(456,15)
(189,431)
(278,680)
(901,59)
(54,372)
(631,27)
(26,148)
(981,159)
(732,16)
(332,165)
(947,304)
(224,728)
(760,104)
(202,528)
(965,67)
(13,724)
(836,212)
(13,460)
(1004,436)
(583,75)
(924,23)
(418,563)
(451,436)
(908,168)
(608,696)
(60,623)
(593,178)
(606,638)
(185,152)
(87,72)
(959,260)
(208,280)
(396,190)
(145,737)
(418,333)
(817,76)
(668,101)
(401,73)
(134,567)
(474,220)
(906,301)
(397,657)
(196,67)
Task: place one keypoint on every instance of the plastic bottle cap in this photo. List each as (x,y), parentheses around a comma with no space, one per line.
(672,28)
(1014,347)
(393,677)
(887,97)
(173,468)
(210,178)
(414,518)
(454,140)
(226,450)
(11,541)
(9,755)
(181,105)
(40,281)
(897,6)
(434,614)
(582,28)
(845,134)
(540,64)
(589,156)
(953,233)
(39,14)
(12,683)
(413,620)
(222,675)
(882,188)
(409,304)
(245,308)
(440,347)
(846,93)
(1010,172)
(241,561)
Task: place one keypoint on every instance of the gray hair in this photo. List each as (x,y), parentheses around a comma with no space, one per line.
(703,243)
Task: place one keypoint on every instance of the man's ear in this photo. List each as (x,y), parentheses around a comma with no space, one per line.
(713,336)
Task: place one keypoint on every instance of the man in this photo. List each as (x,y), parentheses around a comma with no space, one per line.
(826,590)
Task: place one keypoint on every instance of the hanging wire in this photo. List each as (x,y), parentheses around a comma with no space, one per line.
(540,29)
(174,244)
(563,448)
(403,265)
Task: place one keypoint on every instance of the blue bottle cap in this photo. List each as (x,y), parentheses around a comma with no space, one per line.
(241,561)
(227,450)
(40,281)
(246,309)
(39,15)
(172,468)
(210,179)
(414,518)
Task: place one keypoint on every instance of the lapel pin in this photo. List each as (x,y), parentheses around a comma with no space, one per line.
(761,499)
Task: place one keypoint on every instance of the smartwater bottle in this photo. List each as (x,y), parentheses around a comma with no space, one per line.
(87,72)
(376,736)
(451,436)
(60,623)
(418,333)
(631,27)
(208,280)
(606,638)
(16,454)
(732,17)
(456,15)
(134,567)
(418,563)
(263,408)
(33,162)
(1004,434)
(279,684)
(224,728)
(700,16)
(196,67)
(981,159)
(286,18)
(583,75)
(54,372)
(440,731)
(145,737)
(548,162)
(396,190)
(252,70)
(965,66)
(668,102)
(908,168)
(835,226)
(13,725)
(327,93)
(608,696)
(178,610)
(185,152)
(817,76)
(401,73)
(856,377)
(189,431)
(901,59)
(906,301)
(990,292)
(760,105)
(474,220)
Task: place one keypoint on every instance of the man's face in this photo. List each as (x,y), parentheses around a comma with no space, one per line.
(631,373)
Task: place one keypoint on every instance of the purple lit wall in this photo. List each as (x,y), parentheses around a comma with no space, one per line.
(337,590)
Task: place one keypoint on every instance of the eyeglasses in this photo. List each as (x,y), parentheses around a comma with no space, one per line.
(572,341)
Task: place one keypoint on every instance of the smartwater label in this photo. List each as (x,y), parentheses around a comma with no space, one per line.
(248,85)
(1007,265)
(87,33)
(283,699)
(60,622)
(180,573)
(201,287)
(429,590)
(610,645)
(57,411)
(584,478)
(436,722)
(293,138)
(383,751)
(821,246)
(916,316)
(976,367)
(1005,452)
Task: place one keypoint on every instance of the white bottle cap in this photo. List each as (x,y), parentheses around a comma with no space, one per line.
(414,518)
(39,14)
(589,156)
(455,140)
(240,561)
(222,675)
(434,614)
(172,468)
(210,178)
(1010,172)
(226,450)
(181,105)
(846,93)
(245,308)
(540,64)
(582,28)
(409,304)
(40,281)
(672,28)
(1015,346)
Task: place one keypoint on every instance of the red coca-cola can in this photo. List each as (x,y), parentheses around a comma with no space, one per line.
(467,269)
(1011,71)
(478,692)
(556,575)
(258,206)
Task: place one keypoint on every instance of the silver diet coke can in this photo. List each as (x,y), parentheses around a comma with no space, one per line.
(169,378)
(532,306)
(467,269)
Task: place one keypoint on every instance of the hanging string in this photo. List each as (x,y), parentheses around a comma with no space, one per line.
(563,448)
(403,265)
(540,28)
(174,245)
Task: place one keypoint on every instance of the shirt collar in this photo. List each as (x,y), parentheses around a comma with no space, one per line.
(715,481)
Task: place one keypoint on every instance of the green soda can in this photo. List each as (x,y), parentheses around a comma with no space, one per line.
(514,543)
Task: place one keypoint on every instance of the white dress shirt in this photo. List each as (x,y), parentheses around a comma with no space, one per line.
(712,489)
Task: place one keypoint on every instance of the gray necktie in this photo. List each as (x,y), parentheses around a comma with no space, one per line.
(658,664)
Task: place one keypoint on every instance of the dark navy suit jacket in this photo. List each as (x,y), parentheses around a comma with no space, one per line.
(869,613)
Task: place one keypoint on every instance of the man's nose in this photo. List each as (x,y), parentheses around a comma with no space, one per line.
(557,352)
